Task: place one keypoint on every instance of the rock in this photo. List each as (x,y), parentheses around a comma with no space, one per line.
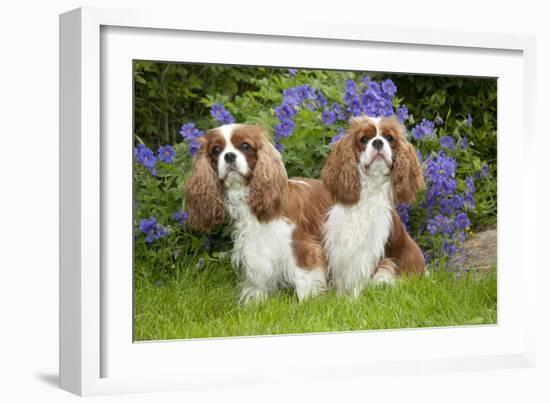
(480,250)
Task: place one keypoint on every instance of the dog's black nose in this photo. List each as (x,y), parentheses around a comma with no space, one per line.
(377,144)
(230,157)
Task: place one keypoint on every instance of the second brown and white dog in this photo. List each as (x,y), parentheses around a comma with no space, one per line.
(277,222)
(370,169)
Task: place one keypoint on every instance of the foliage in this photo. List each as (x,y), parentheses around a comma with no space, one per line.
(451,122)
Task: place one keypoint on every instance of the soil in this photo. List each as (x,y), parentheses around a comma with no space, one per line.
(481,250)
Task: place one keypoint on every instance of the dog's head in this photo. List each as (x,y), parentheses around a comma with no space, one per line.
(373,147)
(234,155)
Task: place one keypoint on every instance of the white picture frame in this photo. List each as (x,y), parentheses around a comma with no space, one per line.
(97,356)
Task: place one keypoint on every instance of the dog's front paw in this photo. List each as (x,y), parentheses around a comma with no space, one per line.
(385,273)
(251,294)
(309,283)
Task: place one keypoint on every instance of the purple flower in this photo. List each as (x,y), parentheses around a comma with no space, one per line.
(145,156)
(138,149)
(329,117)
(403,211)
(441,183)
(444,224)
(290,96)
(432,227)
(448,248)
(292,72)
(463,143)
(279,147)
(220,114)
(447,142)
(285,111)
(166,154)
(469,120)
(351,87)
(402,113)
(470,184)
(439,121)
(375,87)
(188,130)
(377,99)
(457,202)
(152,230)
(371,102)
(365,81)
(389,87)
(424,129)
(355,107)
(337,109)
(321,100)
(351,99)
(180,216)
(462,221)
(484,170)
(284,129)
(305,92)
(190,134)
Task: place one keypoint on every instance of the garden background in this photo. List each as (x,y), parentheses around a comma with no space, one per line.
(183,282)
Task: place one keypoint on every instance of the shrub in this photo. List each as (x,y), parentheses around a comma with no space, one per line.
(307,111)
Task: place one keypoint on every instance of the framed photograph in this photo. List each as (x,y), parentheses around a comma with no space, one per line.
(244,202)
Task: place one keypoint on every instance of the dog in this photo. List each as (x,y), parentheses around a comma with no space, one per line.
(277,222)
(369,170)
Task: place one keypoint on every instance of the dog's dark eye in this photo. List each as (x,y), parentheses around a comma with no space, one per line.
(216,151)
(364,140)
(388,137)
(245,147)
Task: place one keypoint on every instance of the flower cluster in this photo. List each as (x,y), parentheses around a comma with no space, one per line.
(146,157)
(424,129)
(151,229)
(372,98)
(444,205)
(190,134)
(402,113)
(369,97)
(220,114)
(447,142)
(295,98)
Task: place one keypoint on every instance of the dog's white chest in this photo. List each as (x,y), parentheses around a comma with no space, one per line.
(258,246)
(355,237)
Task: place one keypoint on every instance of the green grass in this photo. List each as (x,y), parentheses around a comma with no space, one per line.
(195,303)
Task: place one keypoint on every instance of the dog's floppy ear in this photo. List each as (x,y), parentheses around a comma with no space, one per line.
(269,180)
(203,194)
(340,174)
(407,176)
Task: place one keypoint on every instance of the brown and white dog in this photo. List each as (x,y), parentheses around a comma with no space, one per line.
(370,169)
(277,222)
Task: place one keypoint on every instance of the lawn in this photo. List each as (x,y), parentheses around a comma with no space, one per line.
(197,302)
(184,286)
